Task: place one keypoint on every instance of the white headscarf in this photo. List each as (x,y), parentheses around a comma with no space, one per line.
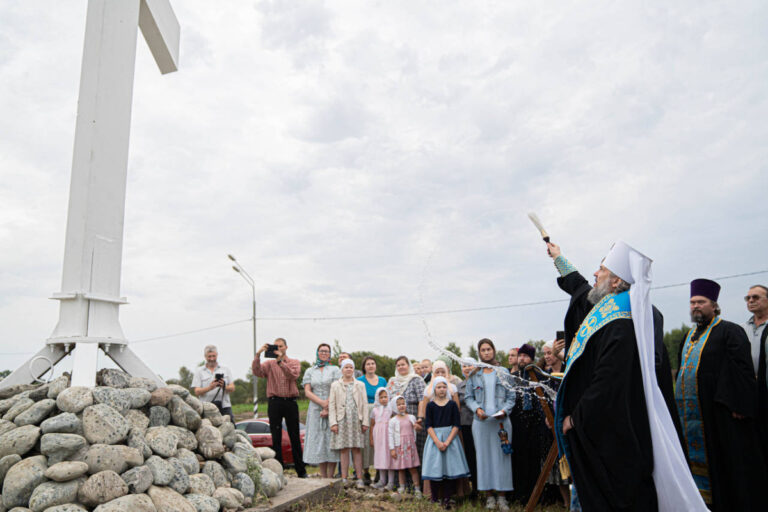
(376,397)
(400,382)
(429,391)
(435,382)
(347,362)
(675,488)
(393,404)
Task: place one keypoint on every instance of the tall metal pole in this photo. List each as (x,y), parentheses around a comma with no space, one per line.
(237,267)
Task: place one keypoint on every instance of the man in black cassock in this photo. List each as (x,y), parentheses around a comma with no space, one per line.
(574,284)
(716,396)
(602,410)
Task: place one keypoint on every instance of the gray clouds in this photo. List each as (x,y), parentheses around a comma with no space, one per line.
(380,157)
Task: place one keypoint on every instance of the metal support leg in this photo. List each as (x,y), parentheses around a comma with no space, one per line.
(34,367)
(130,363)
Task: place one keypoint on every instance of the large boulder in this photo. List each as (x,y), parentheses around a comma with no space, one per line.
(60,447)
(130,503)
(143,383)
(66,471)
(162,441)
(104,425)
(74,399)
(188,460)
(168,500)
(69,507)
(212,413)
(180,480)
(214,470)
(64,423)
(138,397)
(57,385)
(274,466)
(209,442)
(50,494)
(160,397)
(183,415)
(6,426)
(35,414)
(233,463)
(201,484)
(116,398)
(136,440)
(159,416)
(21,480)
(102,488)
(186,438)
(138,479)
(138,420)
(179,391)
(195,404)
(112,378)
(270,482)
(203,503)
(18,408)
(265,452)
(19,440)
(162,470)
(246,451)
(117,458)
(229,497)
(243,483)
(6,463)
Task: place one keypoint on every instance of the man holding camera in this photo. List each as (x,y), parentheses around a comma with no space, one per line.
(281,373)
(213,383)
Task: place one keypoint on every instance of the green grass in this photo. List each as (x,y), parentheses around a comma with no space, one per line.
(244,411)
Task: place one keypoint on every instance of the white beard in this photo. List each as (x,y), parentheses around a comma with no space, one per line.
(599,291)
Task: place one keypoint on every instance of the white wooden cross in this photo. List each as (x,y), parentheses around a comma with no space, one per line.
(90,291)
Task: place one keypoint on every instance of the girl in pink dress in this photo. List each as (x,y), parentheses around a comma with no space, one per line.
(382,461)
(402,445)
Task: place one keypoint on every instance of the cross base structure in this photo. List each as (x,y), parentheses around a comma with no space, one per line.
(90,298)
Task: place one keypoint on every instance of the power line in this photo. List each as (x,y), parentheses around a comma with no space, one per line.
(394,315)
(219,326)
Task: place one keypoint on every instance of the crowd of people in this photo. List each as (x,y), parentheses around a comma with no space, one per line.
(629,434)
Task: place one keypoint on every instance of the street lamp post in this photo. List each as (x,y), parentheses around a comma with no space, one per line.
(237,267)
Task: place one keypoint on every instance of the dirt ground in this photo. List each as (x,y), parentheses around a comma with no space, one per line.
(372,500)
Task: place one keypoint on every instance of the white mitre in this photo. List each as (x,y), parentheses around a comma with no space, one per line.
(619,258)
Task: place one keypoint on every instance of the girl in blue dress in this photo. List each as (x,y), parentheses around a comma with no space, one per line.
(444,459)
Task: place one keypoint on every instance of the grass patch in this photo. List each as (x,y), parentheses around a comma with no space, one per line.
(245,411)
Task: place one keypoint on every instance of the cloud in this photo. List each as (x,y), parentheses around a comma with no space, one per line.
(379,157)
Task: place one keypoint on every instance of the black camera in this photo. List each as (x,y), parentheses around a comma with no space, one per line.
(219,376)
(270,352)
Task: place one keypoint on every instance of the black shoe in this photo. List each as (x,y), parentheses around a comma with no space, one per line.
(303,475)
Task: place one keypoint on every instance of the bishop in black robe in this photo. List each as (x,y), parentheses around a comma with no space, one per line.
(610,442)
(726,385)
(574,284)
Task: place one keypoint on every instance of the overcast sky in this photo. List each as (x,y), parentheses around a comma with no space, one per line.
(371,158)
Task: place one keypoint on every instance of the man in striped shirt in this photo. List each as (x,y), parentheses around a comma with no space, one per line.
(281,374)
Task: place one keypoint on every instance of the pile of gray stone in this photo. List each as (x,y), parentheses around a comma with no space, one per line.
(125,445)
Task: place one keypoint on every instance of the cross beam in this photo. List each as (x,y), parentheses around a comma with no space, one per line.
(90,290)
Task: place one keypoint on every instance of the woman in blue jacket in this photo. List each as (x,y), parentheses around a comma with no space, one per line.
(491,402)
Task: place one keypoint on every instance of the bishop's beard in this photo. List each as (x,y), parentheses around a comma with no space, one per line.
(599,291)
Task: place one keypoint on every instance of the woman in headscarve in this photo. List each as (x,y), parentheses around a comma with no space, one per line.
(411,387)
(317,385)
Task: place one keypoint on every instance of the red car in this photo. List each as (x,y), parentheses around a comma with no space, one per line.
(258,430)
